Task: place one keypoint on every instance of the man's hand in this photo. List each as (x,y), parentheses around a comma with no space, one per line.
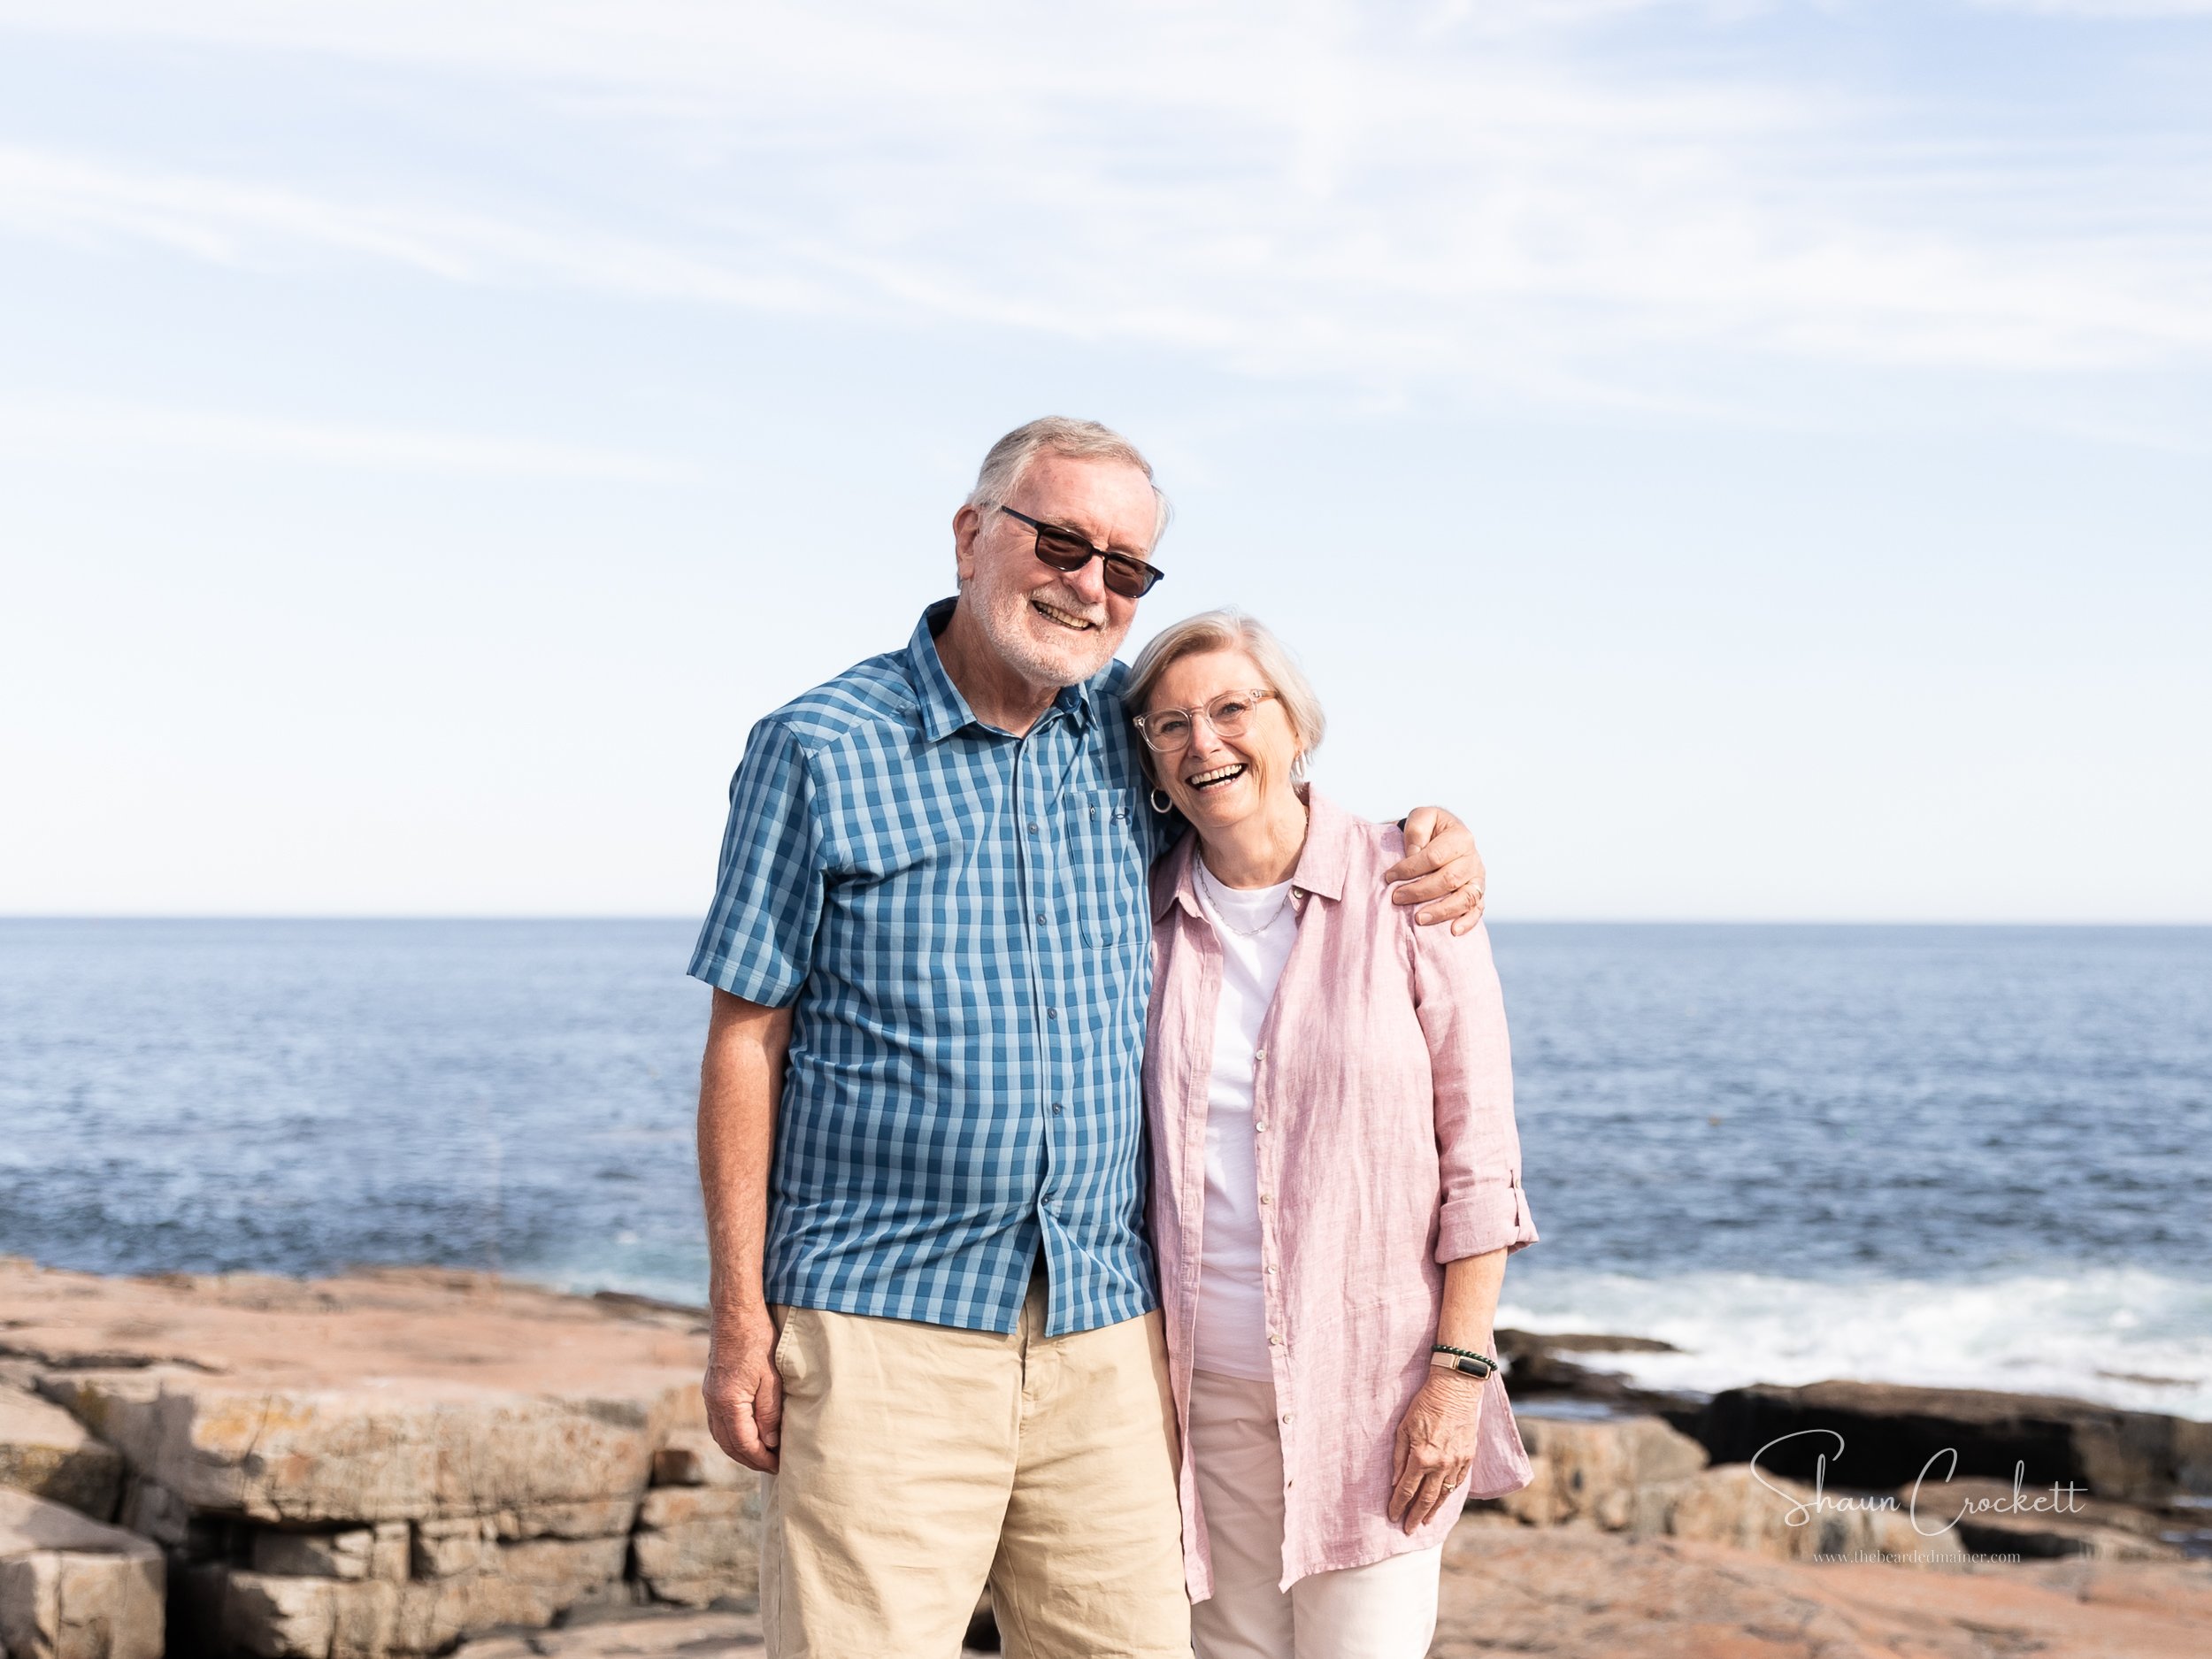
(1441,870)
(743,1392)
(1434,1447)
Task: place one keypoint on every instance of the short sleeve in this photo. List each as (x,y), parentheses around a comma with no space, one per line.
(758,941)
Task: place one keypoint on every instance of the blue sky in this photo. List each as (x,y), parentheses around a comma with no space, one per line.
(1750,458)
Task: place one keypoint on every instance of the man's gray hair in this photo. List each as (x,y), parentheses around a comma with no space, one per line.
(1227,631)
(1057,434)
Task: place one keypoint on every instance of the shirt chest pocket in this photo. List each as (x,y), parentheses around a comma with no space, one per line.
(1105,863)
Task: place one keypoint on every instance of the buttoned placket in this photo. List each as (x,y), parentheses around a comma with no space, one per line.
(1283,1393)
(1199,1047)
(1268,1160)
(1032,861)
(1269,1169)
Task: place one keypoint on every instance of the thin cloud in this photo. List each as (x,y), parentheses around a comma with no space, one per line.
(81,427)
(1403,197)
(2105,11)
(250,224)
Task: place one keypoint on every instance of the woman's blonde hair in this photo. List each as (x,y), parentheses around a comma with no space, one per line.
(1227,631)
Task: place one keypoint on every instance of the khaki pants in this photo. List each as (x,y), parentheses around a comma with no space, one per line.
(920,1461)
(1384,1611)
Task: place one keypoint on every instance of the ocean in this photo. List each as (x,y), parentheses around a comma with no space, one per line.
(1972,1156)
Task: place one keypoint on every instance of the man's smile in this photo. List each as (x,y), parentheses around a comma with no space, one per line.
(1065,618)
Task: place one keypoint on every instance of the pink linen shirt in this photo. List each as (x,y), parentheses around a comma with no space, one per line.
(1383,1109)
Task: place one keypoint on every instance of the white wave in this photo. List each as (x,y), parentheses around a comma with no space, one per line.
(2125,1337)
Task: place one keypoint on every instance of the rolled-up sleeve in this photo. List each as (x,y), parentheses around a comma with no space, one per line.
(758,941)
(1478,1148)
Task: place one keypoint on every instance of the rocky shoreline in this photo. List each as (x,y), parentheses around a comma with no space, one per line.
(398,1462)
(2035,1475)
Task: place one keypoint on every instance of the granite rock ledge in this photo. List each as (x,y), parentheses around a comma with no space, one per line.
(387,1464)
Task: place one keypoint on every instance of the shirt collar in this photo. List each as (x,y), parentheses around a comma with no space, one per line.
(1328,851)
(1321,864)
(943,710)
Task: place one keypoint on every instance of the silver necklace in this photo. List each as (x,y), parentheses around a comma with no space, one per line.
(1206,880)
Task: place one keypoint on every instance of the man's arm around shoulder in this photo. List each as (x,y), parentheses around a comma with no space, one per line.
(1441,870)
(740,1081)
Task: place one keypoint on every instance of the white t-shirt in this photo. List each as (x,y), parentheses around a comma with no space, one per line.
(1256,927)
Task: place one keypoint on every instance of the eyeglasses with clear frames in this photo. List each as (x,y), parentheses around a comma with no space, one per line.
(1168,730)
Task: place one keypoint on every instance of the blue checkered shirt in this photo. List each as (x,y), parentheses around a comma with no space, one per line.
(958,918)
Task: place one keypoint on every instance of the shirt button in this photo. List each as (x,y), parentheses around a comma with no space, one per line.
(1286,1416)
(1052,1013)
(1259,1054)
(1057,1109)
(1261,1125)
(1273,1341)
(1263,1198)
(1040,919)
(1033,829)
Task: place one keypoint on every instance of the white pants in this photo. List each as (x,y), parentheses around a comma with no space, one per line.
(1384,1611)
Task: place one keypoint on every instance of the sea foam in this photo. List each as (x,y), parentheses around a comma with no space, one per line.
(2123,1336)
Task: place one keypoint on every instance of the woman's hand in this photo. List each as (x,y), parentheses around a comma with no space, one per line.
(1435,1446)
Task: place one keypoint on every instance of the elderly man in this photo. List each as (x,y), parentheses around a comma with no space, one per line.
(919,1114)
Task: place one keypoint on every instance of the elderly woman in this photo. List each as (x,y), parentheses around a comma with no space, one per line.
(1336,1177)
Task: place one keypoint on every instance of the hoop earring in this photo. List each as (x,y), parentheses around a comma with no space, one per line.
(1298,767)
(1160,803)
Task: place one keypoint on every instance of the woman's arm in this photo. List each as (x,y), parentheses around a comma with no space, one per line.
(1436,1438)
(1461,1011)
(1470,1302)
(1483,1213)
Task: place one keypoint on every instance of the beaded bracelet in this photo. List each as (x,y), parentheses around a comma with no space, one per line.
(1464,1359)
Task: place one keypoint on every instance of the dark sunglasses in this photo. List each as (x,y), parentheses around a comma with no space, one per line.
(1066,551)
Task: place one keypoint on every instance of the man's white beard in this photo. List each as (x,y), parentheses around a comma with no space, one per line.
(1011,626)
